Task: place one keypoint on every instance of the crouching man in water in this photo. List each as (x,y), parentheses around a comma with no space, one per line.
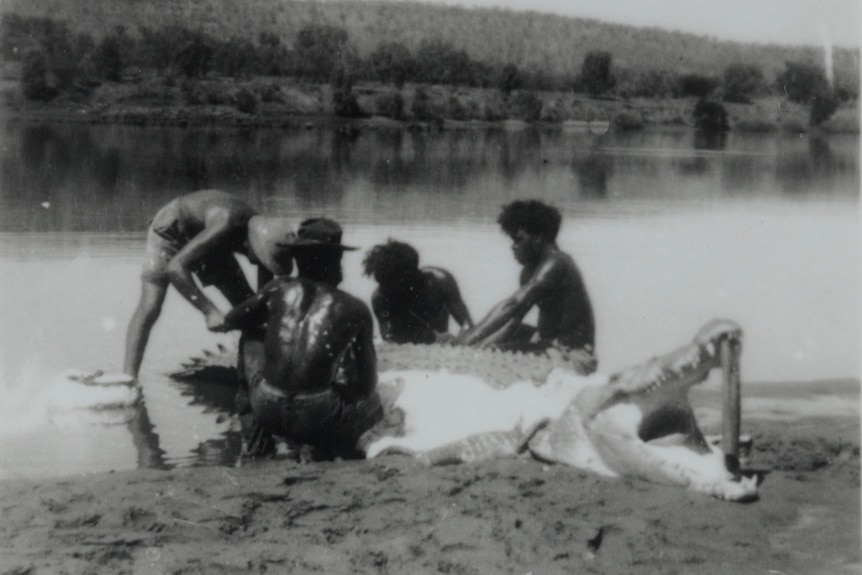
(197,235)
(412,304)
(312,378)
(549,280)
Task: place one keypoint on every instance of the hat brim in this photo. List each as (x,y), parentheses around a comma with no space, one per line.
(297,244)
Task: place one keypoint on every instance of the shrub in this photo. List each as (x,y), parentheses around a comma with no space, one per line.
(626,120)
(392,62)
(802,82)
(421,108)
(245,102)
(495,108)
(510,79)
(37,81)
(390,104)
(194,57)
(697,85)
(525,106)
(271,93)
(319,51)
(823,106)
(454,109)
(710,116)
(740,82)
(596,76)
(107,60)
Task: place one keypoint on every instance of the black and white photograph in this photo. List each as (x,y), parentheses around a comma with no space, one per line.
(430,286)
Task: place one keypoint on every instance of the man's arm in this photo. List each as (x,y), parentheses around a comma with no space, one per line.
(454,303)
(250,313)
(364,355)
(383,315)
(511,311)
(218,226)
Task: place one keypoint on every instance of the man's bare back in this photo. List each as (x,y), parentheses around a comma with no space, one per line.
(565,315)
(317,337)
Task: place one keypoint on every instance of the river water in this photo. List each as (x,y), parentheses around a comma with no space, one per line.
(669,229)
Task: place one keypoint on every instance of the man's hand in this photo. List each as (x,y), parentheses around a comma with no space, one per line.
(215,321)
(444,337)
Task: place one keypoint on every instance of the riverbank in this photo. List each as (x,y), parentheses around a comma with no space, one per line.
(284,103)
(510,516)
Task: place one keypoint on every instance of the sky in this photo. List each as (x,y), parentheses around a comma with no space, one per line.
(811,22)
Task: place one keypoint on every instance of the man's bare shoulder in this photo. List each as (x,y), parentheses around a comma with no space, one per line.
(207,204)
(437,275)
(342,302)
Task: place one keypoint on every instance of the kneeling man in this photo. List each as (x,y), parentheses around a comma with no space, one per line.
(312,379)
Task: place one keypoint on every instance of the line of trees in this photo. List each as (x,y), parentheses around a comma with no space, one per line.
(55,60)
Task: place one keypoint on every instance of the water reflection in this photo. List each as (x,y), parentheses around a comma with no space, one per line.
(816,166)
(593,171)
(98,178)
(709,140)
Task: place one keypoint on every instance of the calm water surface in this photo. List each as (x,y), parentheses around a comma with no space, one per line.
(669,230)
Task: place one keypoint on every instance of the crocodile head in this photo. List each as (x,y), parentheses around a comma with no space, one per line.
(641,423)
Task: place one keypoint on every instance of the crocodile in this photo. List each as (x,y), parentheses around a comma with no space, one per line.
(636,423)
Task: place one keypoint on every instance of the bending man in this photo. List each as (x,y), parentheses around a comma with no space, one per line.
(412,304)
(313,379)
(550,281)
(198,235)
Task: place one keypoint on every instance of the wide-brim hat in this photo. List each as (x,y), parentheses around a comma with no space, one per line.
(320,233)
(270,240)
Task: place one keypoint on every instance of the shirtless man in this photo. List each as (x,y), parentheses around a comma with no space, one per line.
(412,304)
(313,380)
(549,280)
(197,235)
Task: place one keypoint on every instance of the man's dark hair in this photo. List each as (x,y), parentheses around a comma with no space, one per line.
(533,217)
(390,260)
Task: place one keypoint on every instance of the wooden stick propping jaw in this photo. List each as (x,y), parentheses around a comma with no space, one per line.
(731,410)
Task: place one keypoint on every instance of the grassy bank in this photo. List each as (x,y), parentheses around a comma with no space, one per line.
(283,102)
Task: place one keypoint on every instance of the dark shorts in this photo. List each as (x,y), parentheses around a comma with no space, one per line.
(323,419)
(166,236)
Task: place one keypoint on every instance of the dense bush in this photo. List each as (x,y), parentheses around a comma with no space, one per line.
(525,105)
(37,81)
(108,60)
(823,106)
(344,101)
(626,120)
(710,116)
(390,104)
(801,82)
(596,76)
(741,82)
(195,56)
(320,51)
(646,84)
(697,85)
(246,102)
(392,62)
(494,109)
(438,62)
(510,79)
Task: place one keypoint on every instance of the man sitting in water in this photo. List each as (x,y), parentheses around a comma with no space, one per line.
(549,280)
(412,304)
(312,380)
(197,235)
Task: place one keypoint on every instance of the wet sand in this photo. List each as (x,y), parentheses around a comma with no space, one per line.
(511,516)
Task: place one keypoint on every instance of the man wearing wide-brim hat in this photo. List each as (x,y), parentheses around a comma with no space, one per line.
(196,236)
(316,383)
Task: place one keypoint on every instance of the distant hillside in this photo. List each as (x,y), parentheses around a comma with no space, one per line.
(494,36)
